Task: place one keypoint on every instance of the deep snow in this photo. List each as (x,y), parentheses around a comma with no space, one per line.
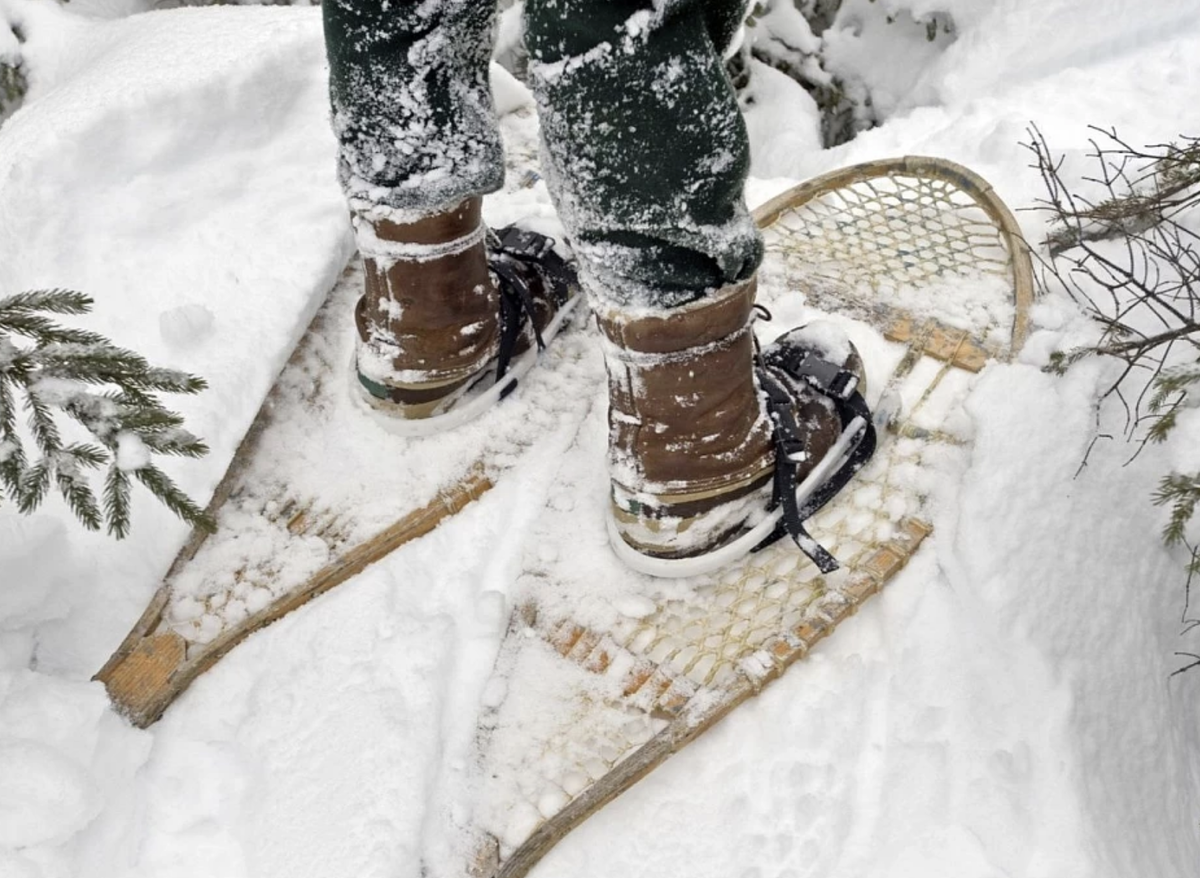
(1004,709)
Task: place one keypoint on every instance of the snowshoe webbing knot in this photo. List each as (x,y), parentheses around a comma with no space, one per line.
(514,255)
(840,386)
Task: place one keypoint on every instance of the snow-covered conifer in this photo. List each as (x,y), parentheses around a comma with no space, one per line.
(47,369)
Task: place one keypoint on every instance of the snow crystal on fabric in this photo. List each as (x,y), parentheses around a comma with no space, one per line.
(643,147)
(412,106)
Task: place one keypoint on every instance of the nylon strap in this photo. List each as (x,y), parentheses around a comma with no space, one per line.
(512,253)
(791,447)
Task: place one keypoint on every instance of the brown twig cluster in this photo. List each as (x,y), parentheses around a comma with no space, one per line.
(1130,258)
(1129,255)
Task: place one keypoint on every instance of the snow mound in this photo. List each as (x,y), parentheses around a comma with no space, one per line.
(1005,708)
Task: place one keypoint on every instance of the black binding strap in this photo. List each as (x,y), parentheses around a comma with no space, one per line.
(791,442)
(516,308)
(512,253)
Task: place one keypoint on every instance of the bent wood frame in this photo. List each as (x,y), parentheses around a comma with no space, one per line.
(154,664)
(927,167)
(692,719)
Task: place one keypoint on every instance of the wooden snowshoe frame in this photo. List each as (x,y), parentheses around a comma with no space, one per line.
(873,215)
(875,208)
(157,660)
(154,664)
(150,670)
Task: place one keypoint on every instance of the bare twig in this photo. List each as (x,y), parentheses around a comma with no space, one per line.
(1127,256)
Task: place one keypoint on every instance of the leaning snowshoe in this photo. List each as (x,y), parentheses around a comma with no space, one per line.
(603,673)
(321,486)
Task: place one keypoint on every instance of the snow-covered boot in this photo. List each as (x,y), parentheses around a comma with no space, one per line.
(710,440)
(453,313)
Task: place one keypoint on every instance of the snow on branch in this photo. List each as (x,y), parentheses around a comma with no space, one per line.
(1128,254)
(1124,244)
(49,370)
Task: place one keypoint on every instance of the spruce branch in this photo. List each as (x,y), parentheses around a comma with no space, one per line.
(55,301)
(161,486)
(33,486)
(8,408)
(116,501)
(46,370)
(77,493)
(1183,493)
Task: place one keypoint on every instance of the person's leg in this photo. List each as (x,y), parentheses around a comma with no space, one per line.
(418,148)
(412,106)
(646,156)
(645,150)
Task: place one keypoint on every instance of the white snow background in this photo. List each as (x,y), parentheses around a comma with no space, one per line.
(1005,708)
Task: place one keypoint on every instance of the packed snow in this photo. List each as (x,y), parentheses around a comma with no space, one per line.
(1005,708)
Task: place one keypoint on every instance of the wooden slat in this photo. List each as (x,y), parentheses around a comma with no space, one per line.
(941,342)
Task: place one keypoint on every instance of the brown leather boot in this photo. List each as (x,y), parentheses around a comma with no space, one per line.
(427,322)
(693,446)
(447,308)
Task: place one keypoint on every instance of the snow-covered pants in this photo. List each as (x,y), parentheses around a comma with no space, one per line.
(644,149)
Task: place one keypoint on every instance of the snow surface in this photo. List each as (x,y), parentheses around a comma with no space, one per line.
(1004,709)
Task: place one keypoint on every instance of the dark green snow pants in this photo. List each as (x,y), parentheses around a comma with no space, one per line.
(645,151)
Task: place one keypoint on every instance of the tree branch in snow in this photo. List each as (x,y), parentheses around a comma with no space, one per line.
(110,391)
(1187,667)
(1123,244)
(1129,256)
